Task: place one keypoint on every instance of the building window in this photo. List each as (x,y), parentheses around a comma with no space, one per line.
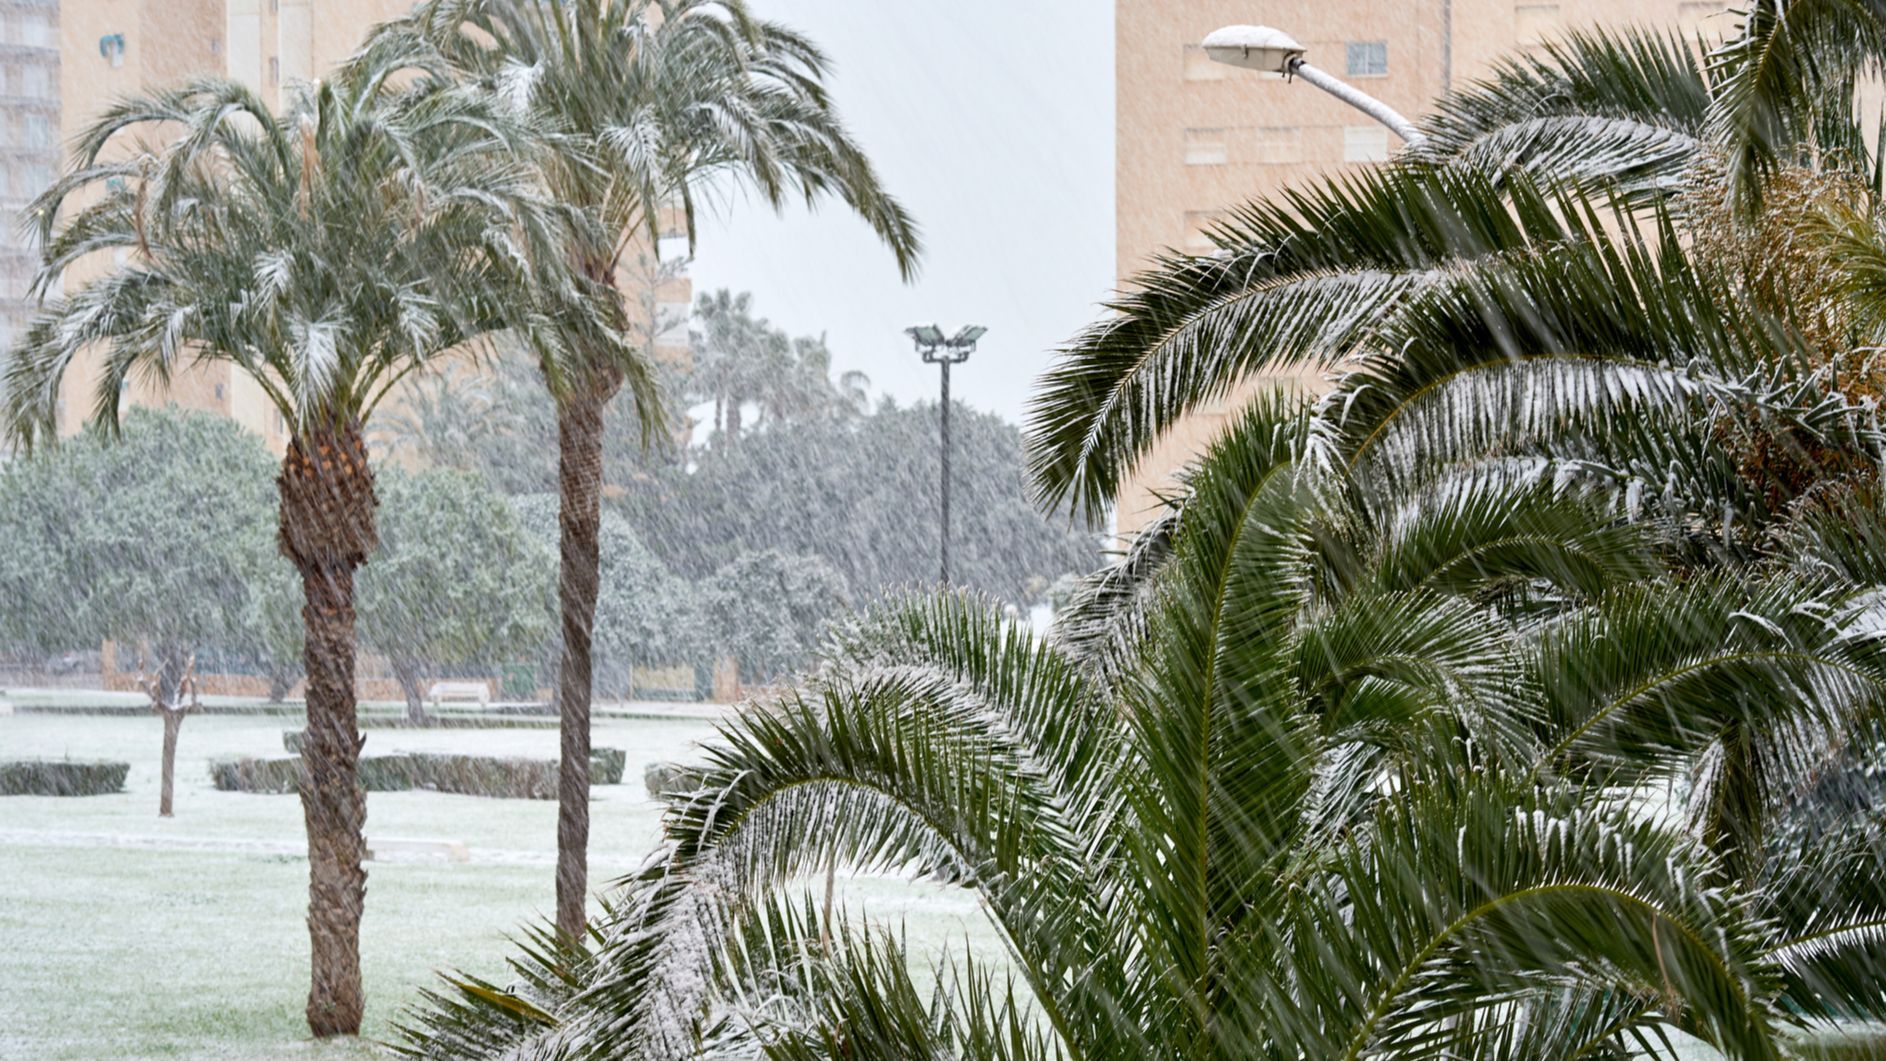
(1200,67)
(1205,147)
(1364,143)
(1197,237)
(274,70)
(1278,143)
(1368,58)
(219,392)
(1535,22)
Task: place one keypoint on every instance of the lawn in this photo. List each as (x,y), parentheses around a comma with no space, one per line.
(126,935)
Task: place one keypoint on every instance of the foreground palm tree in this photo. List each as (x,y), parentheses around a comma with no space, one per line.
(648,99)
(1345,781)
(1318,274)
(326,252)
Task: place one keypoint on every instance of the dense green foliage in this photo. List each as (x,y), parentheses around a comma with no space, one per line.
(804,487)
(161,541)
(769,610)
(645,615)
(458,584)
(788,478)
(469,775)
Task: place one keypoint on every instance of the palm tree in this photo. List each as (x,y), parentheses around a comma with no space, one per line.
(1317,275)
(1347,783)
(650,100)
(326,252)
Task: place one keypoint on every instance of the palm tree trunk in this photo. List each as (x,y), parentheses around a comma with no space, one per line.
(579,518)
(327,531)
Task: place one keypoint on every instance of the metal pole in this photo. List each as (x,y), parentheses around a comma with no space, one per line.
(944,540)
(1361,101)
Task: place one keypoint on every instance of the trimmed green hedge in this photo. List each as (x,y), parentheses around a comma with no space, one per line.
(282,774)
(62,777)
(664,778)
(606,765)
(484,775)
(471,775)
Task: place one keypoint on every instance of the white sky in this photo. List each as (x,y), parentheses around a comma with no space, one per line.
(993,121)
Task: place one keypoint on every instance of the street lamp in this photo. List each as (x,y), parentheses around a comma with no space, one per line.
(1272,51)
(937,350)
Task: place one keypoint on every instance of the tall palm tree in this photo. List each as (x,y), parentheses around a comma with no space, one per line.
(326,252)
(651,101)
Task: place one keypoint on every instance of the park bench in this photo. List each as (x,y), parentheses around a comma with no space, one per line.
(478,691)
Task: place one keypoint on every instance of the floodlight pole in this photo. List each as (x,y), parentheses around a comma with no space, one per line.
(944,353)
(943,535)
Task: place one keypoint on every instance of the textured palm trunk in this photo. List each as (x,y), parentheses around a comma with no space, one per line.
(579,516)
(327,531)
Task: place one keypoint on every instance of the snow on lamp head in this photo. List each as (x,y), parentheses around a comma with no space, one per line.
(1262,48)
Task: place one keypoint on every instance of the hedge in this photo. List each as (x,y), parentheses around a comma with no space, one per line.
(665,778)
(471,775)
(282,774)
(605,764)
(63,777)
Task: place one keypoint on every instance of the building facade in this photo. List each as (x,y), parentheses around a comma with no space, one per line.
(29,144)
(1197,138)
(116,48)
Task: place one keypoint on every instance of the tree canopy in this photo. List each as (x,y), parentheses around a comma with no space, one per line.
(457,582)
(163,537)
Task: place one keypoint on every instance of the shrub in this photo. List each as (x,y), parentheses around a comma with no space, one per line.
(281,774)
(35,777)
(469,775)
(663,778)
(606,765)
(483,775)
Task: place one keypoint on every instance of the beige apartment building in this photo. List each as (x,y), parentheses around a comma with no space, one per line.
(115,48)
(1197,138)
(29,143)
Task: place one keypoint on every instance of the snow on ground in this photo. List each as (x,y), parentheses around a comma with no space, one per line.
(126,935)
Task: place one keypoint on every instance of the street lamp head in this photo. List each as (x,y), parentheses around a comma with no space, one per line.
(969,335)
(926,335)
(1262,48)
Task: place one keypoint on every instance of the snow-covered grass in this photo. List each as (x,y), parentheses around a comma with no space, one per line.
(126,935)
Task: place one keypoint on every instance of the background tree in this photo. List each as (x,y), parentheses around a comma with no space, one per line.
(456,584)
(158,541)
(809,490)
(326,252)
(769,610)
(646,616)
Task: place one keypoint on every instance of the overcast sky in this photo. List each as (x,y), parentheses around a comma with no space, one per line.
(993,121)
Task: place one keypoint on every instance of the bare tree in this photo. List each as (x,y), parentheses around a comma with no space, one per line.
(167,702)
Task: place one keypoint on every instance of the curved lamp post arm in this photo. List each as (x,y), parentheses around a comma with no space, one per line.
(1360,100)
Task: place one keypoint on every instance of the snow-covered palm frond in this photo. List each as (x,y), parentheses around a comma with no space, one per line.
(1596,107)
